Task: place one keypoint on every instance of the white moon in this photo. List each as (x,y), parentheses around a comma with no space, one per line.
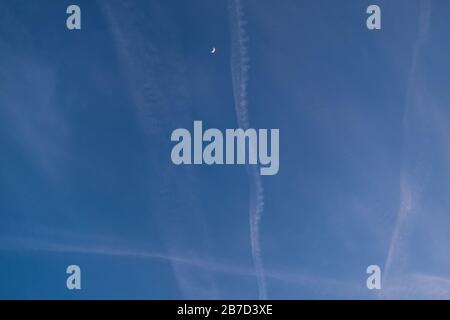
(213,50)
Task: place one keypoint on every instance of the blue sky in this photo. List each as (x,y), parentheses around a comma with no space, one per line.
(85,170)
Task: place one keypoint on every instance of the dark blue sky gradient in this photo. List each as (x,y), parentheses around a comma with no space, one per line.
(86,176)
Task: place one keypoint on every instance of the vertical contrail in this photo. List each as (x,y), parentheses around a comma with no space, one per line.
(239,72)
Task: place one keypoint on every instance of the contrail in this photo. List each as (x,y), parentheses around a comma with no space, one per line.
(156,79)
(239,73)
(409,191)
(115,247)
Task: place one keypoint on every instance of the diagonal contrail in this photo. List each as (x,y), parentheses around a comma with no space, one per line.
(409,188)
(155,78)
(239,72)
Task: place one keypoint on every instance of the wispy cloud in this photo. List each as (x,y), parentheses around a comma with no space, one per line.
(38,125)
(418,286)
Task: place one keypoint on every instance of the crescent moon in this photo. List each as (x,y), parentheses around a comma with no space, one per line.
(213,50)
